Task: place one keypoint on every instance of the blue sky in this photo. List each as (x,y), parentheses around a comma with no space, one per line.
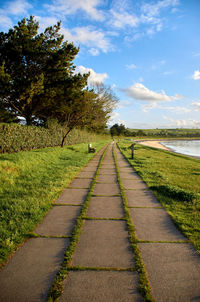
(147,51)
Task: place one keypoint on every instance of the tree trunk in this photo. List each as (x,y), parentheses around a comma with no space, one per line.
(29,121)
(64,138)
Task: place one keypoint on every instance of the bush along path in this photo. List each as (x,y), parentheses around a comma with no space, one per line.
(106,239)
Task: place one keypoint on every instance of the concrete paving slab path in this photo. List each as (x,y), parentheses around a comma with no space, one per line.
(72,196)
(85,174)
(173,270)
(29,274)
(155,225)
(141,198)
(101,286)
(59,221)
(103,243)
(134,183)
(112,178)
(81,183)
(105,207)
(106,189)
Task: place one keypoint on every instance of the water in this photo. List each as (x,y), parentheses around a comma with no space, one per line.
(187,147)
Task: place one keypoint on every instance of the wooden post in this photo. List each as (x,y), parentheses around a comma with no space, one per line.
(132,151)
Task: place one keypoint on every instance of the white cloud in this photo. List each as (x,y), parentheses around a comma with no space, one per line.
(18,7)
(114,119)
(5,21)
(122,19)
(46,22)
(88,36)
(140,92)
(123,104)
(175,123)
(181,123)
(196,106)
(175,109)
(94,51)
(68,7)
(152,10)
(131,66)
(94,77)
(195,123)
(196,75)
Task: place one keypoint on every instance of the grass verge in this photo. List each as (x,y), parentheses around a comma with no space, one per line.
(29,182)
(144,286)
(175,181)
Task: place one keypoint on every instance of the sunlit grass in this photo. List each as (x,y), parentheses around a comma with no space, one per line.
(29,183)
(175,180)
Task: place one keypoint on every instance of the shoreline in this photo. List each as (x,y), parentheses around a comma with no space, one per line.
(158,144)
(154,144)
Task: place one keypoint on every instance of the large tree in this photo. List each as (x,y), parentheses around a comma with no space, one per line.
(33,67)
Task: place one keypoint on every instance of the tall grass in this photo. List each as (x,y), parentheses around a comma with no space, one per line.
(29,182)
(175,180)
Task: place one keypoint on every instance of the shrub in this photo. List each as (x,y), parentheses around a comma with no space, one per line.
(175,193)
(15,137)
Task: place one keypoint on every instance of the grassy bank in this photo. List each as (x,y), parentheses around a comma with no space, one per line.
(175,181)
(29,182)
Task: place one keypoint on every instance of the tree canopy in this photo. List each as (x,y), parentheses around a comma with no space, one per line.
(38,80)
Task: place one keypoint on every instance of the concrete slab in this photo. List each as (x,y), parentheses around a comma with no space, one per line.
(80,183)
(133,183)
(93,164)
(89,169)
(107,171)
(141,198)
(108,165)
(126,170)
(112,178)
(30,272)
(105,207)
(128,174)
(106,189)
(83,174)
(154,224)
(103,243)
(101,286)
(59,221)
(173,271)
(72,196)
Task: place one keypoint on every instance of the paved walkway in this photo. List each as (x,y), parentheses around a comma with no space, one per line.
(103,252)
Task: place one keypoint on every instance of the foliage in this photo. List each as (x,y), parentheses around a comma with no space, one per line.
(117,130)
(15,137)
(38,80)
(34,67)
(29,182)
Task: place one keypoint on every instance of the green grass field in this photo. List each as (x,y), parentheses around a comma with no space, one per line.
(175,181)
(29,183)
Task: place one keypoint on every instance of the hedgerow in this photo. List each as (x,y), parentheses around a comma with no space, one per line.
(15,137)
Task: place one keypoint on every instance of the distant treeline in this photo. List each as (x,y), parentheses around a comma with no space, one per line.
(117,130)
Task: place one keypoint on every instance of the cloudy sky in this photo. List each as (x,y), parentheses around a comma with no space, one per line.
(148,51)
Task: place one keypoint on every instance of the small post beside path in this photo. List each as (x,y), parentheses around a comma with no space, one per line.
(132,151)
